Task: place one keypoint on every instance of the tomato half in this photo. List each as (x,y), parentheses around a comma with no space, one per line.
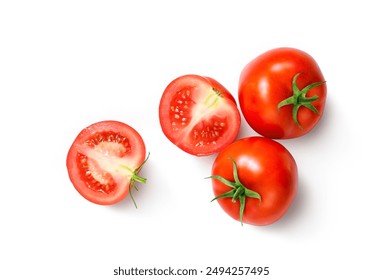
(104,160)
(282,93)
(199,115)
(255,180)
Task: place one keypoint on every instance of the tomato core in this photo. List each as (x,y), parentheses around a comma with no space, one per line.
(205,131)
(198,115)
(109,145)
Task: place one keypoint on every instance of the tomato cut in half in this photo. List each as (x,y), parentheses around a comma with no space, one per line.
(199,115)
(104,160)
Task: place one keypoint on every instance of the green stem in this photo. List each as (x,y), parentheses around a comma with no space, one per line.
(299,99)
(238,192)
(136,178)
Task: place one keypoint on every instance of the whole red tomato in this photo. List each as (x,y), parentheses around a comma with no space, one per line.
(255,180)
(282,93)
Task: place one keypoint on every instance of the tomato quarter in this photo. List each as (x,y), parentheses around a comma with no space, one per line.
(255,180)
(104,160)
(282,93)
(199,115)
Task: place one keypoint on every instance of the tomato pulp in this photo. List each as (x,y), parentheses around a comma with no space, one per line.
(199,115)
(104,160)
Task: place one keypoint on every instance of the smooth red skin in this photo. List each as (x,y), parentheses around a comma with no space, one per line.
(267,80)
(73,171)
(224,141)
(264,166)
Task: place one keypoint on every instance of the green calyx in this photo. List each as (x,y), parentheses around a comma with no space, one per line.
(299,99)
(136,178)
(238,192)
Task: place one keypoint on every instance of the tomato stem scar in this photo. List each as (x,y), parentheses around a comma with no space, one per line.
(299,99)
(216,95)
(239,191)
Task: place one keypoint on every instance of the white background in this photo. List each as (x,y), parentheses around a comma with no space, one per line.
(67,64)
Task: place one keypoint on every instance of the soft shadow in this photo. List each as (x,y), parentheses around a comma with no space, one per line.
(295,214)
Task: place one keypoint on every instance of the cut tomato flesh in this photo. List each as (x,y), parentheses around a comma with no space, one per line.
(197,117)
(93,176)
(207,131)
(194,114)
(103,159)
(180,114)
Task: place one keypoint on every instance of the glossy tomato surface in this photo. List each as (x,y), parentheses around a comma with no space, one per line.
(103,160)
(199,115)
(266,93)
(264,167)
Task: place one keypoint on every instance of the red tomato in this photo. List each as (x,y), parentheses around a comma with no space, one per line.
(104,160)
(255,180)
(282,93)
(199,115)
